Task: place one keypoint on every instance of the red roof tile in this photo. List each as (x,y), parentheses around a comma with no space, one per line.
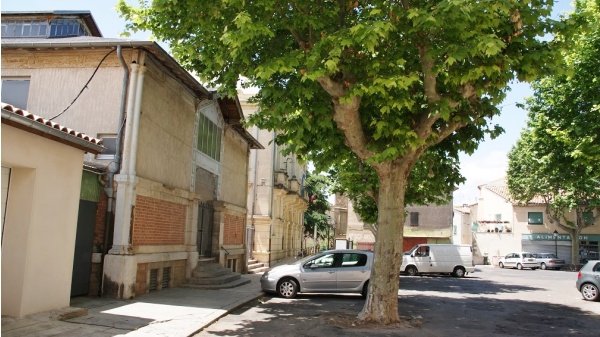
(48,123)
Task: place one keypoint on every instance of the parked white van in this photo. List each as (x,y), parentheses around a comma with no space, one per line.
(438,259)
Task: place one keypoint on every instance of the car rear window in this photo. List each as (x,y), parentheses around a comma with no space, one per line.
(528,255)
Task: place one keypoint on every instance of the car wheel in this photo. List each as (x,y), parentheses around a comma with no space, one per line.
(543,266)
(287,288)
(365,290)
(519,266)
(459,272)
(411,270)
(589,292)
(501,265)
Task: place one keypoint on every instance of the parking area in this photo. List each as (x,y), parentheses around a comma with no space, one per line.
(489,302)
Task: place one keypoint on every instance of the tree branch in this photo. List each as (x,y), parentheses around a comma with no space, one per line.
(346,116)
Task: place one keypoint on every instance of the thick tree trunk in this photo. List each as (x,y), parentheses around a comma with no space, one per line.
(381,305)
(575,245)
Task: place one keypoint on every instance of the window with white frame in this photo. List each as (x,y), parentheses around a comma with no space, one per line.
(15,91)
(59,27)
(535,218)
(209,136)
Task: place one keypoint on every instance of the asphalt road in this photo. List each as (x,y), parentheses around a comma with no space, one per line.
(489,302)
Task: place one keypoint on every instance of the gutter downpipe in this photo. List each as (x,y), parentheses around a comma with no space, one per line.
(272,197)
(254,195)
(109,187)
(136,114)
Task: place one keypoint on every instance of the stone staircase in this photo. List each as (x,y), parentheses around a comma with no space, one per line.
(255,267)
(210,275)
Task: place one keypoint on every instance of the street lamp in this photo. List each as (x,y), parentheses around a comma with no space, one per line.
(555,235)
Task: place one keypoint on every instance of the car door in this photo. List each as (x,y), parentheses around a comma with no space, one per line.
(319,274)
(422,258)
(510,260)
(352,271)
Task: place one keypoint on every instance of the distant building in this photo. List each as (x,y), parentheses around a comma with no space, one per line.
(277,198)
(501,226)
(423,224)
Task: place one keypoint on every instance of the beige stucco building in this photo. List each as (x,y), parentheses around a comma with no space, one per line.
(423,224)
(41,183)
(500,226)
(173,181)
(276,197)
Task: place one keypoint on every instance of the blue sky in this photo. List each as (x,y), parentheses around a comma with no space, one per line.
(488,163)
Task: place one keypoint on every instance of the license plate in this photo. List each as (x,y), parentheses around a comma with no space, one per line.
(529,259)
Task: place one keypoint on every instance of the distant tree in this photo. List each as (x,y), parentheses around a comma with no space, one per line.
(317,187)
(374,81)
(558,155)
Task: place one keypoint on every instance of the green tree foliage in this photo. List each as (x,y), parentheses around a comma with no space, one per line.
(366,83)
(317,187)
(558,157)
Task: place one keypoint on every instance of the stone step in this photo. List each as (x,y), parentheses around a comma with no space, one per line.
(258,270)
(232,284)
(210,273)
(218,280)
(207,266)
(256,265)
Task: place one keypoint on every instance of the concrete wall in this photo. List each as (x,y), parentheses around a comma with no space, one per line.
(57,77)
(41,222)
(166,134)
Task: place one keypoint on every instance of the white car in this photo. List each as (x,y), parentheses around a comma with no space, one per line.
(332,271)
(519,260)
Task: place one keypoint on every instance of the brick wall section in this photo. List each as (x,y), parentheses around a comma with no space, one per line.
(158,222)
(98,242)
(233,230)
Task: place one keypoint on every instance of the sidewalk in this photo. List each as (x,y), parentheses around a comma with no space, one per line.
(169,312)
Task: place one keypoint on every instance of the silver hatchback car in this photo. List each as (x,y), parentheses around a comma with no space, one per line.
(332,271)
(518,260)
(588,280)
(549,261)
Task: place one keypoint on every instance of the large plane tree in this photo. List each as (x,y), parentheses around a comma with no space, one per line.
(374,81)
(557,157)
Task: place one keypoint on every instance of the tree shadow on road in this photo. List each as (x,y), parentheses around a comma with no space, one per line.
(468,285)
(423,315)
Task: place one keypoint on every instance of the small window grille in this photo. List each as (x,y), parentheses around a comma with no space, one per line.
(153,284)
(166,277)
(414,218)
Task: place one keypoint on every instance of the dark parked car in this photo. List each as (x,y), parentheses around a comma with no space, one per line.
(588,280)
(549,261)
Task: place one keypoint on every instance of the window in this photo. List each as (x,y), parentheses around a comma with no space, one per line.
(110,143)
(414,218)
(66,27)
(354,260)
(535,218)
(422,251)
(63,27)
(325,261)
(209,138)
(15,92)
